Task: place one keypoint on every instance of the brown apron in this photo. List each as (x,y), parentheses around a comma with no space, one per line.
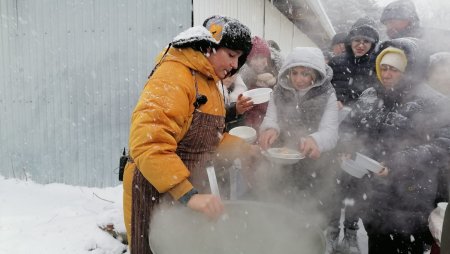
(195,149)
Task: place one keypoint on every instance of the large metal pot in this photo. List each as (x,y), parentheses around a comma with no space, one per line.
(247,227)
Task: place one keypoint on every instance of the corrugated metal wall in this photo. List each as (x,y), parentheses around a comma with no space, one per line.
(260,16)
(70,74)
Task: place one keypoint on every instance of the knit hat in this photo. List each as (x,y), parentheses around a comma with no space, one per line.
(364,28)
(394,57)
(260,48)
(338,38)
(395,60)
(401,10)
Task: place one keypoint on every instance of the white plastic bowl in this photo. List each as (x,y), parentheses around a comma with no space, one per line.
(244,132)
(353,169)
(442,206)
(284,156)
(258,95)
(368,163)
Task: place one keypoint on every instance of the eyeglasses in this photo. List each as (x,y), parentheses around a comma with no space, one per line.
(361,41)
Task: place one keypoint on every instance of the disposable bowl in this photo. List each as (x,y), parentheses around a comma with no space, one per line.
(353,169)
(244,132)
(368,163)
(258,95)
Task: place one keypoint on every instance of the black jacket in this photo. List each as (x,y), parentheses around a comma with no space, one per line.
(351,75)
(408,129)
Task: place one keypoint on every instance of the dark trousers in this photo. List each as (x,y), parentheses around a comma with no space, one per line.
(349,188)
(397,243)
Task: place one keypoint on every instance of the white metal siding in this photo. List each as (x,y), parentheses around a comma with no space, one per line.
(71,72)
(260,16)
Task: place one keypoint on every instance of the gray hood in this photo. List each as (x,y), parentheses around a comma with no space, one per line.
(306,57)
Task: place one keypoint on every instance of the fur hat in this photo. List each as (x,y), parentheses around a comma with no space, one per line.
(232,34)
(260,48)
(217,31)
(229,33)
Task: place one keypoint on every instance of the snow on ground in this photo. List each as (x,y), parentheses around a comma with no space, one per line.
(58,218)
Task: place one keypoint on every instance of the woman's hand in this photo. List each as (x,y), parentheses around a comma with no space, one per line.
(265,80)
(255,150)
(243,104)
(267,138)
(208,204)
(265,76)
(344,156)
(309,148)
(384,172)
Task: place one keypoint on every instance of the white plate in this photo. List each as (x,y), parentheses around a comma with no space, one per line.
(258,95)
(283,156)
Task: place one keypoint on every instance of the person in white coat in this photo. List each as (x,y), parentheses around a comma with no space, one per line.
(303,111)
(303,115)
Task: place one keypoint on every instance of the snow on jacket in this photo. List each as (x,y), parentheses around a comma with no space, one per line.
(163,115)
(314,111)
(409,130)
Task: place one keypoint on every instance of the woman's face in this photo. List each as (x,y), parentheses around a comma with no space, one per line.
(258,64)
(395,27)
(360,46)
(390,76)
(224,60)
(302,77)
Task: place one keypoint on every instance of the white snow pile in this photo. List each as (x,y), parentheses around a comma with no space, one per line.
(58,218)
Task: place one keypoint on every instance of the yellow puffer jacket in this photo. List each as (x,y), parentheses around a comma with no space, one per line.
(162,117)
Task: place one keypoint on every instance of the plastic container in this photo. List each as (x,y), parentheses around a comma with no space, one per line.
(442,206)
(368,163)
(353,169)
(258,95)
(244,132)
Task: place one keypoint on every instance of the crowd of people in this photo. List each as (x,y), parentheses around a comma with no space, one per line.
(395,90)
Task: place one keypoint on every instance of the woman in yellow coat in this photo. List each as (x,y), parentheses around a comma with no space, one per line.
(177,125)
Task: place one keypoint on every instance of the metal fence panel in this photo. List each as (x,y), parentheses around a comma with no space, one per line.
(71,72)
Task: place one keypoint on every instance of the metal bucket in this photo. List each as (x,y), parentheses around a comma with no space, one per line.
(246,227)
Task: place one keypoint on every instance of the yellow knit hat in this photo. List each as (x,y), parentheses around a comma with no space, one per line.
(391,56)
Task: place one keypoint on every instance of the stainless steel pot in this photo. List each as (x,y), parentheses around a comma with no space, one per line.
(246,227)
